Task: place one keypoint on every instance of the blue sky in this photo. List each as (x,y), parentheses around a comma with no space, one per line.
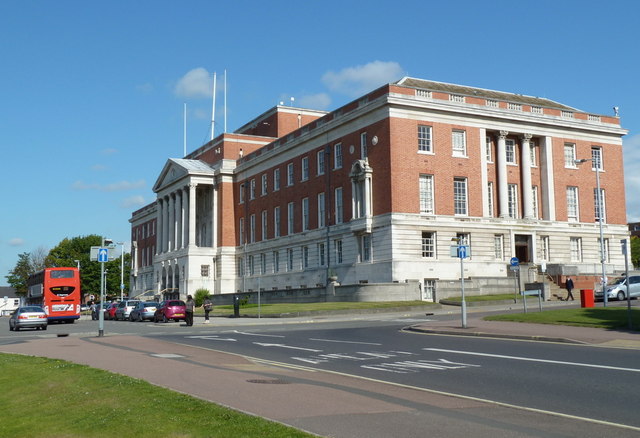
(92,93)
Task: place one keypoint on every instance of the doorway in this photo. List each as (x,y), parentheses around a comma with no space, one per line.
(523,247)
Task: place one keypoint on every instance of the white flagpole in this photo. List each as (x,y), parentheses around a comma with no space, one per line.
(213,110)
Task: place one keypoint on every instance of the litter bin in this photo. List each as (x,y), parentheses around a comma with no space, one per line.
(586,298)
(236,306)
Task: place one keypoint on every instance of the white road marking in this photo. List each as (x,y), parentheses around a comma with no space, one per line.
(256,334)
(287,346)
(212,338)
(530,359)
(344,342)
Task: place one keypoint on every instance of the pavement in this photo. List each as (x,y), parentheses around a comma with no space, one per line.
(331,404)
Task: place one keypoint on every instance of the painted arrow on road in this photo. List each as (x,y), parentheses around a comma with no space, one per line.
(286,346)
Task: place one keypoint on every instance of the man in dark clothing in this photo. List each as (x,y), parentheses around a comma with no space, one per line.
(569,286)
(208,305)
(190,308)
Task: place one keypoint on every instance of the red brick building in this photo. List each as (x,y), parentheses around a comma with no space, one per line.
(375,191)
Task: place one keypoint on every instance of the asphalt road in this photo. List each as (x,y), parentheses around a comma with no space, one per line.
(590,383)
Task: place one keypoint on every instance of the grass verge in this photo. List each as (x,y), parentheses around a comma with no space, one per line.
(611,318)
(284,308)
(44,397)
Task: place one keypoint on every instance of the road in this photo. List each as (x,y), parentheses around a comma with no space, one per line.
(582,382)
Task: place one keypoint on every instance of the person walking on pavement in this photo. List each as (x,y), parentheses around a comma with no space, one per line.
(569,286)
(190,308)
(208,305)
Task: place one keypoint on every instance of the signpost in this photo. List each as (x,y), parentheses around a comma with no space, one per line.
(101,254)
(458,249)
(515,267)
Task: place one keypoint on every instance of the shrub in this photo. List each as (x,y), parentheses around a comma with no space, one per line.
(201,294)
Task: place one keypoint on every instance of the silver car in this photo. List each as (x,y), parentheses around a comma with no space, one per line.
(618,289)
(28,316)
(124,309)
(143,310)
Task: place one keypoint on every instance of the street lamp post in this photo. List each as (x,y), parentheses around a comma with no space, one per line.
(603,280)
(121,270)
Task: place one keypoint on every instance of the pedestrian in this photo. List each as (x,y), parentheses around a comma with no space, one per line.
(189,310)
(208,305)
(569,286)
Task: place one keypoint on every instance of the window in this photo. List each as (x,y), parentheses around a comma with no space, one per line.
(290,223)
(320,162)
(305,169)
(426,194)
(337,156)
(337,244)
(532,154)
(204,270)
(241,193)
(492,103)
(264,185)
(498,244)
(576,249)
(251,266)
(464,239)
(512,200)
(604,257)
(276,261)
(511,151)
(240,266)
(488,146)
(252,190)
(514,106)
(305,214)
(570,155)
(364,248)
(600,212)
(276,180)
(338,205)
(321,254)
(241,231)
(544,248)
(290,174)
(289,259)
(536,110)
(596,158)
(460,196)
(264,224)
(428,244)
(423,94)
(276,222)
(572,204)
(424,139)
(321,210)
(305,257)
(429,289)
(263,264)
(363,146)
(252,228)
(490,198)
(566,114)
(459,143)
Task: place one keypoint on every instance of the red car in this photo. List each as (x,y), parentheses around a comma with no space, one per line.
(110,313)
(171,309)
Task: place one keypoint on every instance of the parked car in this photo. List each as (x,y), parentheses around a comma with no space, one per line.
(124,309)
(84,307)
(618,289)
(28,316)
(170,309)
(143,310)
(110,312)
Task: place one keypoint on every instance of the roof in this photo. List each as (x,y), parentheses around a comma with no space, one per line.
(7,291)
(193,165)
(481,92)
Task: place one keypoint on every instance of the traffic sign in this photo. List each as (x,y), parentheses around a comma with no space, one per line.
(462,251)
(514,261)
(103,255)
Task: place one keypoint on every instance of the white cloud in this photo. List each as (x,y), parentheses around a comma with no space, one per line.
(145,88)
(133,201)
(320,101)
(196,83)
(631,148)
(109,151)
(16,241)
(113,187)
(355,81)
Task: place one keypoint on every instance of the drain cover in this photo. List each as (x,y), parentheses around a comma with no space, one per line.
(269,381)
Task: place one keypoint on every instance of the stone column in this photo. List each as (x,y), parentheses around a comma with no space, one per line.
(527,191)
(165,224)
(192,214)
(214,222)
(172,223)
(159,214)
(501,162)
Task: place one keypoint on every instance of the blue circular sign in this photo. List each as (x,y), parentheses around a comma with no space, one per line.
(514,261)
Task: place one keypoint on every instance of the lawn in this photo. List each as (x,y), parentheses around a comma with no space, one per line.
(302,308)
(43,397)
(611,318)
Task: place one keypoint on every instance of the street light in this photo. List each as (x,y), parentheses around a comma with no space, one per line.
(599,200)
(102,274)
(121,269)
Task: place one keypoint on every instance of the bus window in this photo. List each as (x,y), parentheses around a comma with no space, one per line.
(66,273)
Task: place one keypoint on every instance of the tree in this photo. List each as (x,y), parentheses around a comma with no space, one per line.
(635,251)
(18,276)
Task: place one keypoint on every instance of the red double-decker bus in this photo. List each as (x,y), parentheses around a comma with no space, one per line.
(57,290)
